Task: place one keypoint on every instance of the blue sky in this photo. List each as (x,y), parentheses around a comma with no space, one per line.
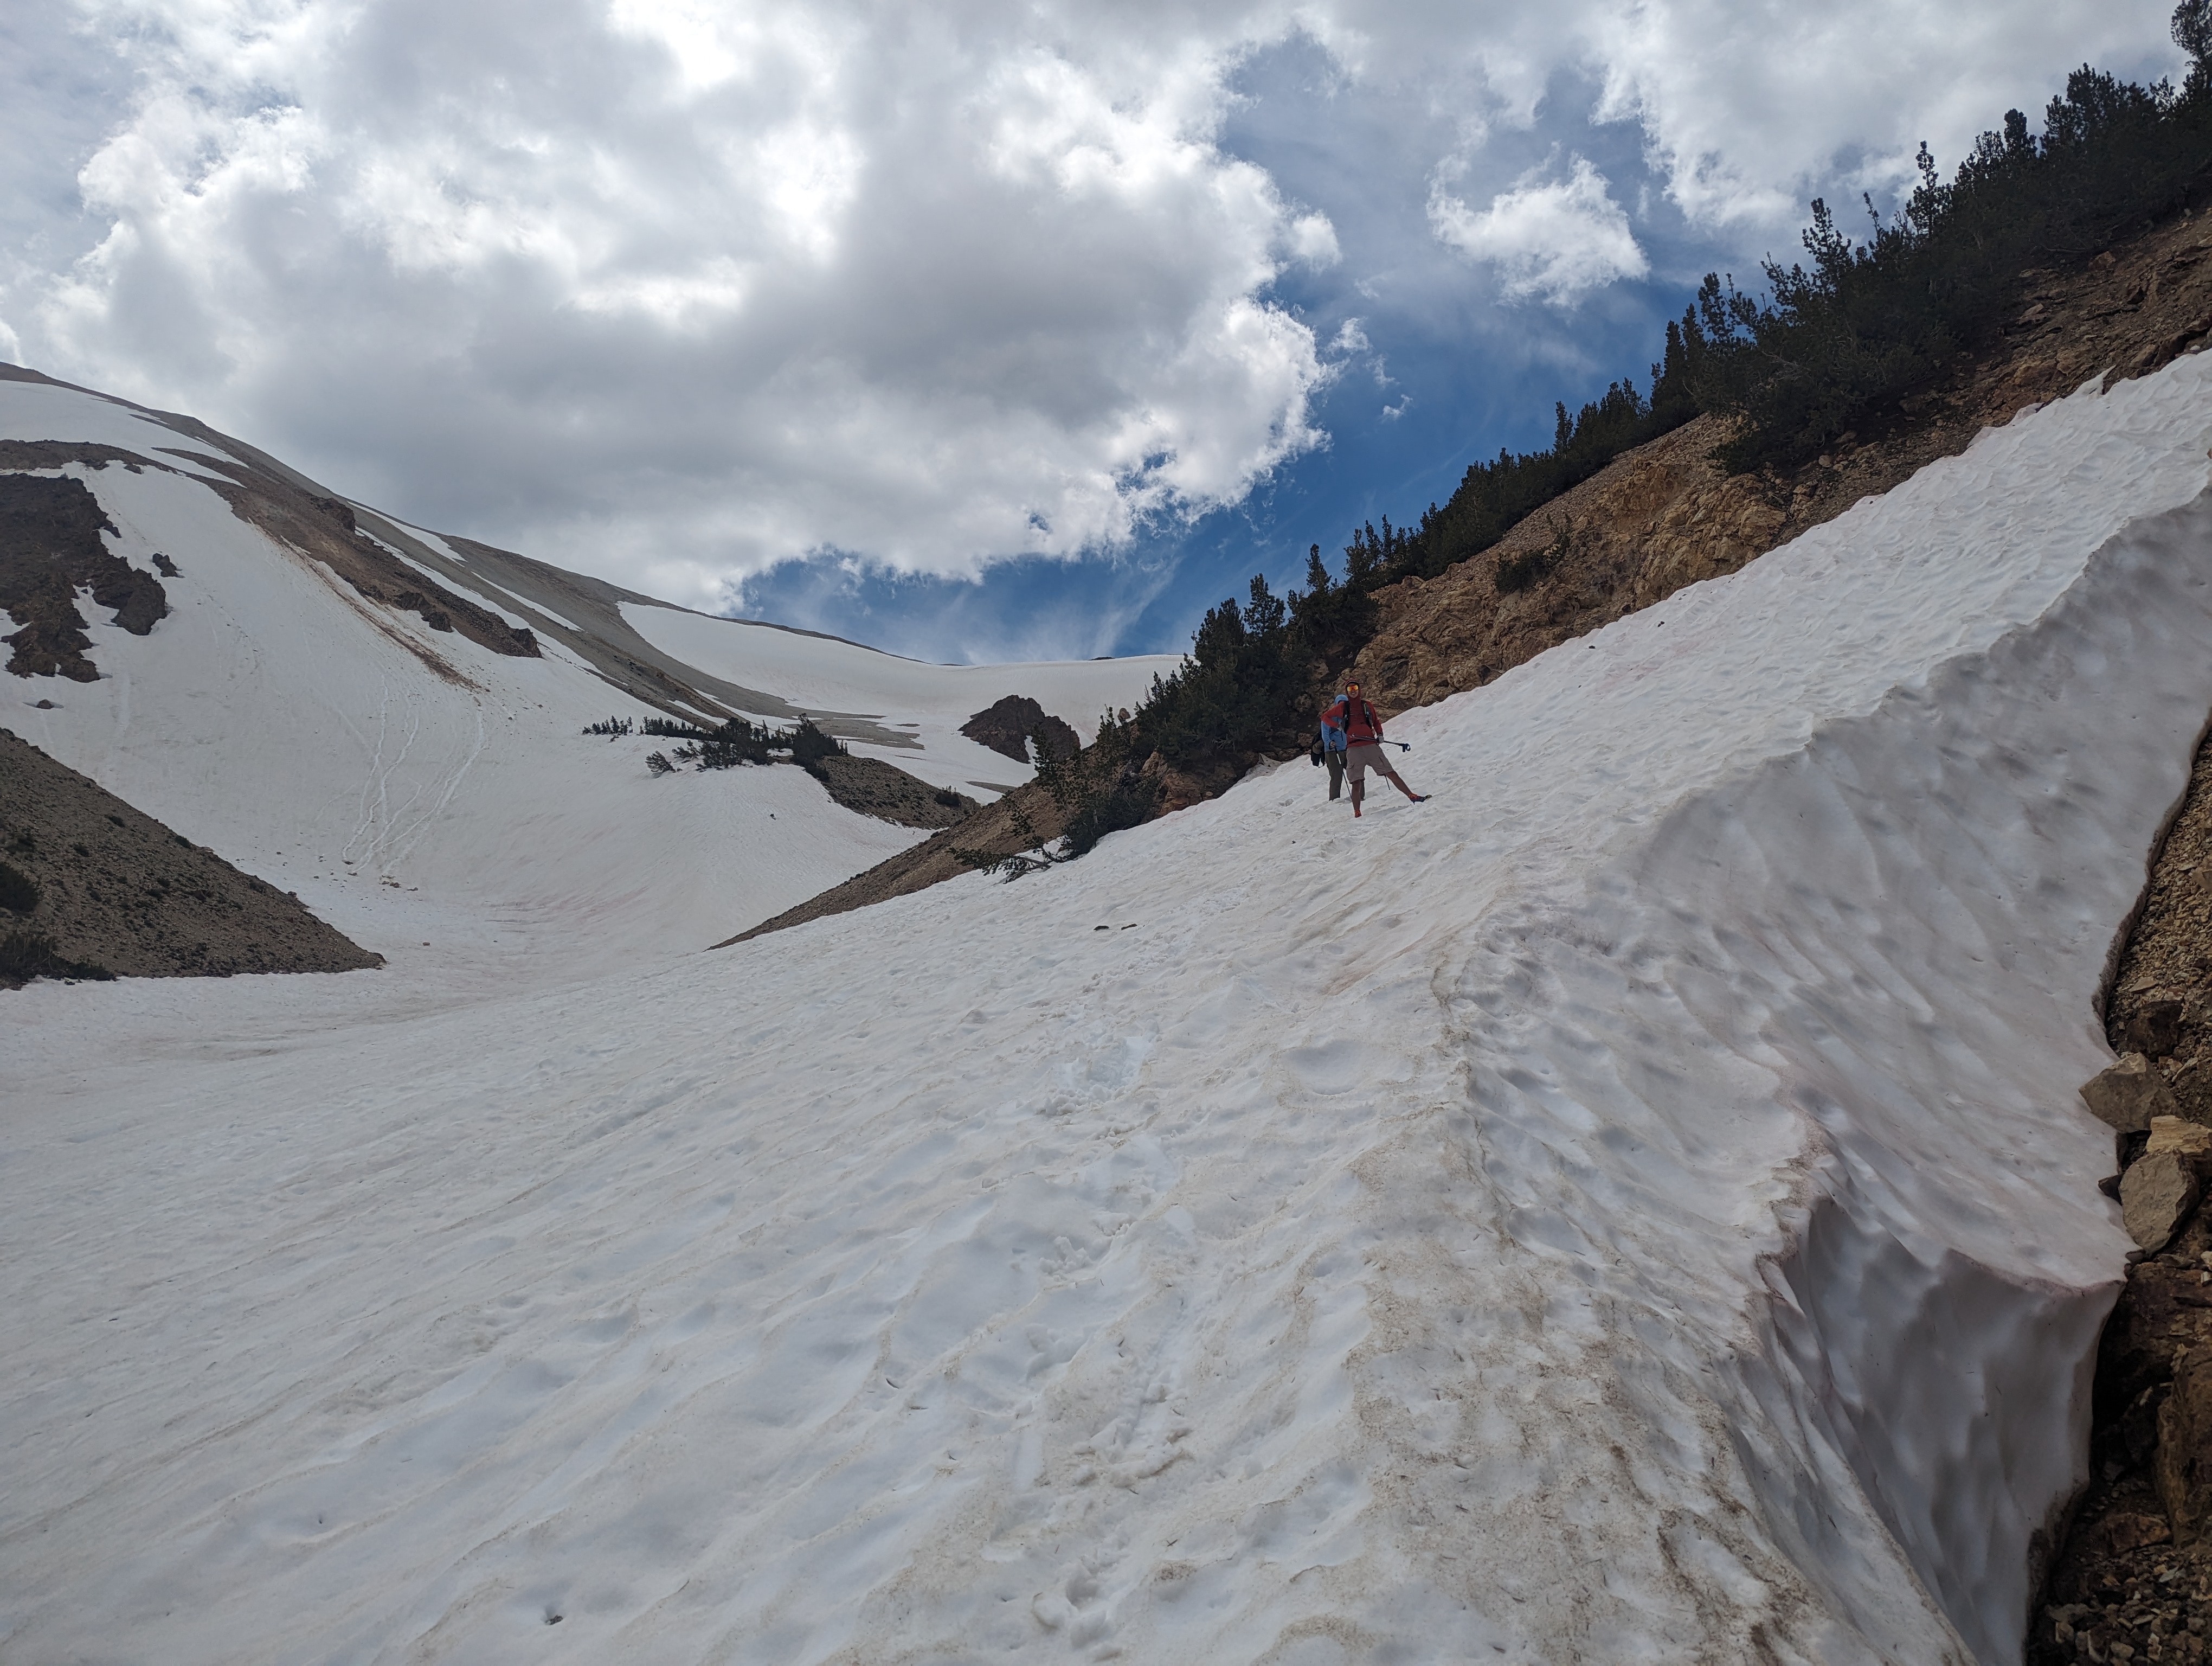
(1452,370)
(969,328)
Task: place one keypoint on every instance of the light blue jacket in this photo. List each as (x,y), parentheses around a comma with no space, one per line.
(1333,739)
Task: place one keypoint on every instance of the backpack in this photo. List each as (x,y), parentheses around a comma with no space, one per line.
(1353,711)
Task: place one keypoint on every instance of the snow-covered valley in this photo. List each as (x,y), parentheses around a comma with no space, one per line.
(460,824)
(1634,1206)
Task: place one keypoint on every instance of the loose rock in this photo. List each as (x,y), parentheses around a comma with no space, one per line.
(2183,1466)
(2156,1026)
(2128,1095)
(2191,1141)
(2156,1195)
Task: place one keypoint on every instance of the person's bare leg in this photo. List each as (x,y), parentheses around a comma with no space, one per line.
(1358,792)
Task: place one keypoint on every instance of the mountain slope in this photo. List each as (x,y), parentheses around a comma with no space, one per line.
(1634,1206)
(117,890)
(389,722)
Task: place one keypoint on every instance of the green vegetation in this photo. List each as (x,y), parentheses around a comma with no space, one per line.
(1841,343)
(1100,788)
(1244,688)
(809,746)
(1836,346)
(730,744)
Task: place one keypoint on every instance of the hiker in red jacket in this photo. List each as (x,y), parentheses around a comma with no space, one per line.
(1362,727)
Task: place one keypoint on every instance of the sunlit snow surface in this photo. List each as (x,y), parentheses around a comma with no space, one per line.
(821,673)
(1634,1206)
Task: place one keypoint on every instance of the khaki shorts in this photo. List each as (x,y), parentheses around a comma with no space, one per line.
(1368,756)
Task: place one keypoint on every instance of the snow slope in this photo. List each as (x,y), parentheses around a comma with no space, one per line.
(1631,1207)
(819,673)
(461,828)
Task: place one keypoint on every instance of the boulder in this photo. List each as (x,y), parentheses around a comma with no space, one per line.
(2156,1195)
(2183,1467)
(2155,1026)
(2120,1533)
(2191,1141)
(2129,1095)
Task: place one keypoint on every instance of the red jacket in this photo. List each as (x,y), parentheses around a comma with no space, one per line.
(1356,719)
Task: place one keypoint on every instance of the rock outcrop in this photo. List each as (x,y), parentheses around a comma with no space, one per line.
(1006,727)
(2156,1195)
(90,885)
(876,788)
(2129,1095)
(50,549)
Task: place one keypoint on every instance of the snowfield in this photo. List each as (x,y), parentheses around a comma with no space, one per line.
(1634,1207)
(279,718)
(820,673)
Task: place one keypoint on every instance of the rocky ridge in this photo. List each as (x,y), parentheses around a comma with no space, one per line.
(108,890)
(50,549)
(869,787)
(1666,515)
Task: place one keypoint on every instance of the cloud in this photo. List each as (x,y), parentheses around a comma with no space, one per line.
(678,290)
(1559,239)
(685,291)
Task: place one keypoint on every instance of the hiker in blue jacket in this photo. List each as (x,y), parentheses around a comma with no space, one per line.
(1333,745)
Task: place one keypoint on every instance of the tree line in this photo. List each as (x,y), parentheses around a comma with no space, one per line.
(1837,341)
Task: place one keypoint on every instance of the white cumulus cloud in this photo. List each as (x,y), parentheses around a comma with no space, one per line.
(676,289)
(1559,239)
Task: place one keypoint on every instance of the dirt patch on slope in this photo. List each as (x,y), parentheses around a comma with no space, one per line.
(873,787)
(324,529)
(49,546)
(117,890)
(995,829)
(50,549)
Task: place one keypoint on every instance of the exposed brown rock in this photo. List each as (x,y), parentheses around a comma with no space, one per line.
(2126,1531)
(2155,1026)
(50,548)
(2127,1094)
(1006,727)
(995,829)
(1655,519)
(2113,1583)
(117,890)
(873,787)
(2156,1195)
(1666,515)
(2183,1467)
(2190,1141)
(324,529)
